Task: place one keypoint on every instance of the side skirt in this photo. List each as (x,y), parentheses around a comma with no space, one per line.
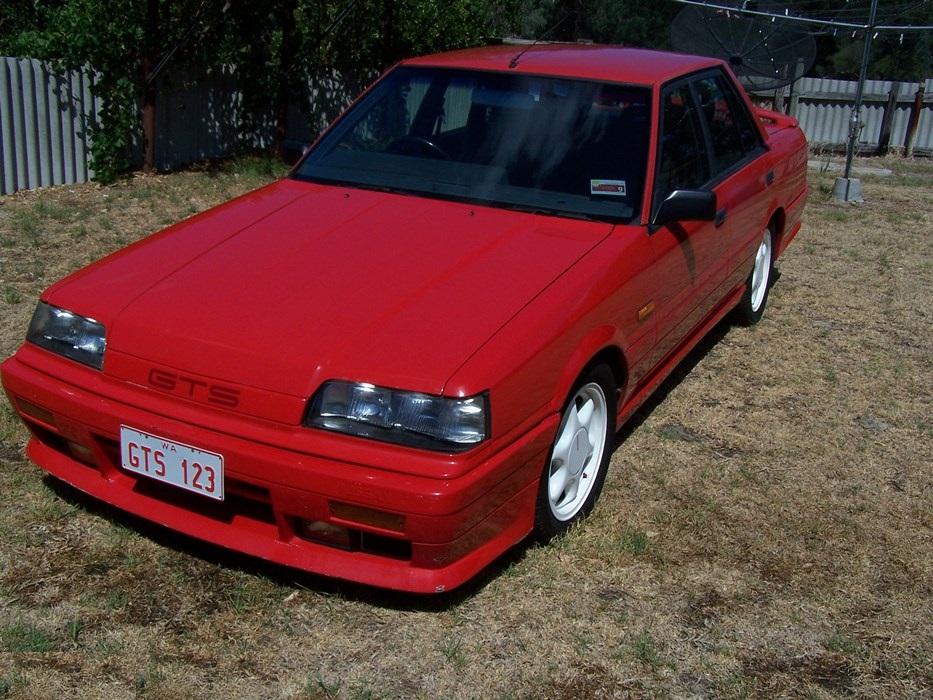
(667,365)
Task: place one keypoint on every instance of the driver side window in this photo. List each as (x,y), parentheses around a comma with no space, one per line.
(729,130)
(683,162)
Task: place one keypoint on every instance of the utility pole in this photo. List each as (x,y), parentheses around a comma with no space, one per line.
(847,188)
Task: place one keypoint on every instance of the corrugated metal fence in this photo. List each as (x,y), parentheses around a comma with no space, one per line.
(196,120)
(45,118)
(823,107)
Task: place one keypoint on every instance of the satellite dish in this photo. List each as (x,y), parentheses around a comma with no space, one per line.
(764,53)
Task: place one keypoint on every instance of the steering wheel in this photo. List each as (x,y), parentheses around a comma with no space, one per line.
(416,145)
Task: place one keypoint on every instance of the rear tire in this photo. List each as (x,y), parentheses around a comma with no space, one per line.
(752,305)
(576,466)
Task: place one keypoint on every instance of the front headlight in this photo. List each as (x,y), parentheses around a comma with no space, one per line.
(66,333)
(405,417)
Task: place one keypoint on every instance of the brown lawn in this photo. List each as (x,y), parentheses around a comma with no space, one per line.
(766,527)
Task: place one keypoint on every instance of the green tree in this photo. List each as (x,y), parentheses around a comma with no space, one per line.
(626,22)
(894,56)
(275,47)
(121,41)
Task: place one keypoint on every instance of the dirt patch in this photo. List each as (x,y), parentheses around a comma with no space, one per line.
(775,673)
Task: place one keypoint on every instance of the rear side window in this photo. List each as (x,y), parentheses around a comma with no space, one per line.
(458,99)
(731,133)
(683,164)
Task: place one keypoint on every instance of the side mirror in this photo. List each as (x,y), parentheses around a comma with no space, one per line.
(686,205)
(292,151)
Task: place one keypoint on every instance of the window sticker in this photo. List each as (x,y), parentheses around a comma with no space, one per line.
(613,188)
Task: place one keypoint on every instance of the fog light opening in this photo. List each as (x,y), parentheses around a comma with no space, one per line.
(82,453)
(329,534)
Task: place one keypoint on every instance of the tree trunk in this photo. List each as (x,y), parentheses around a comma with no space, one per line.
(388,33)
(569,18)
(151,56)
(286,71)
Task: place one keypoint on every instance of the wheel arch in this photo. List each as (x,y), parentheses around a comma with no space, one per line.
(777,222)
(600,347)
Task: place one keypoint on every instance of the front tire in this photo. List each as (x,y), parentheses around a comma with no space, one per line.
(752,305)
(577,463)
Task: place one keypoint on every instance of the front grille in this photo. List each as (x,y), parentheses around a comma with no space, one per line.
(233,506)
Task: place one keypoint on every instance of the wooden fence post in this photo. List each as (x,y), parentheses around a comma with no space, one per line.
(914,122)
(887,118)
(778,102)
(794,100)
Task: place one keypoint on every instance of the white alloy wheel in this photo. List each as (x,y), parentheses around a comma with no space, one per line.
(761,273)
(577,456)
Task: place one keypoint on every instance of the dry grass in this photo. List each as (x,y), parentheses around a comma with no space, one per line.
(766,528)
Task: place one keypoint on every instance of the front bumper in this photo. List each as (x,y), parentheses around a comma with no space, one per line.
(429,534)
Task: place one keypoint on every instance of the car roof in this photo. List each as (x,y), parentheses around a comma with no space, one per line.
(588,61)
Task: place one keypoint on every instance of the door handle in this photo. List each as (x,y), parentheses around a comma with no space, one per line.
(769,178)
(720,218)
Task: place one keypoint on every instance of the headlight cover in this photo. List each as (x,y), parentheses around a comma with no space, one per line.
(404,417)
(68,334)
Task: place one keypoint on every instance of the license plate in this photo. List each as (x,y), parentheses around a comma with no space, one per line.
(173,462)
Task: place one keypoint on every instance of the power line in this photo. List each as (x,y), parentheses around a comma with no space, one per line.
(786,16)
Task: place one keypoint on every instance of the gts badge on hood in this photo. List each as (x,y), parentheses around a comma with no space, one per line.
(196,389)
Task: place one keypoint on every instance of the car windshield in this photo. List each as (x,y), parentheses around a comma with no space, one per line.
(551,145)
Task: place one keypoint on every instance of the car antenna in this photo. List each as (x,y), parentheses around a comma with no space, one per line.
(514,61)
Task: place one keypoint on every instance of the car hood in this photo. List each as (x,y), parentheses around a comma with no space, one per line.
(298,283)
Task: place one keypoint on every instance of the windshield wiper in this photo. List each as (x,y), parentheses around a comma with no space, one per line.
(356,185)
(436,194)
(546,211)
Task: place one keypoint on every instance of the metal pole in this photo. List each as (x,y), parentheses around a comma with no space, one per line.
(863,72)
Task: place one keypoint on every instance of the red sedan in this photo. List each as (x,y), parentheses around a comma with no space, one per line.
(414,351)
